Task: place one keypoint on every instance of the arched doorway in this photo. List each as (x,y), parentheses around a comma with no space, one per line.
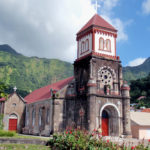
(105,123)
(110,120)
(13,119)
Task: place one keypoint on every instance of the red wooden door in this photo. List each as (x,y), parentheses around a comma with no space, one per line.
(12,124)
(104,126)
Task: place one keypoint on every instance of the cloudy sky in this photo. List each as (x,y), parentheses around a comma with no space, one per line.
(47,28)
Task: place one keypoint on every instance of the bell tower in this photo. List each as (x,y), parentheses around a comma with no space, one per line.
(98,80)
(97,37)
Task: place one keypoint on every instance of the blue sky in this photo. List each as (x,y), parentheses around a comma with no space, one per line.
(134,47)
(49,29)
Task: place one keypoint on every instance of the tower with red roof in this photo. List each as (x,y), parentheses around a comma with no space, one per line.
(101,101)
(97,37)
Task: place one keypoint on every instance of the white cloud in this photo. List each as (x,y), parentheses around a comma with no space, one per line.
(48,28)
(146,7)
(136,62)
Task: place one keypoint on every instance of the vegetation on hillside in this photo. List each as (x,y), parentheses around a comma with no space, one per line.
(140,91)
(137,72)
(3,88)
(30,73)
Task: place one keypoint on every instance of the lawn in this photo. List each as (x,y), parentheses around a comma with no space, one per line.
(23,147)
(10,134)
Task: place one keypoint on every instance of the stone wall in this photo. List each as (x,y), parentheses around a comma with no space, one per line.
(14,105)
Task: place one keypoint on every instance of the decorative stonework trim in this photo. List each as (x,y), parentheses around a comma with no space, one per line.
(98,54)
(109,33)
(109,104)
(84,34)
(107,56)
(96,30)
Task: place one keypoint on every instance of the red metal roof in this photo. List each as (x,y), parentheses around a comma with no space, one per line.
(44,92)
(97,21)
(2,99)
(146,110)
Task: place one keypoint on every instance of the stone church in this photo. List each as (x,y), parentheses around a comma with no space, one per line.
(96,97)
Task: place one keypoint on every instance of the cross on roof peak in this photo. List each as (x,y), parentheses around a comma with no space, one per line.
(96,5)
(15,89)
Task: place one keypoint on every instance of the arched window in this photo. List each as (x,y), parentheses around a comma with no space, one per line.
(33,117)
(108,45)
(101,43)
(82,47)
(40,116)
(87,45)
(27,117)
(47,116)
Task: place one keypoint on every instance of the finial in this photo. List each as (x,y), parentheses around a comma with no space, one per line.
(96,6)
(15,89)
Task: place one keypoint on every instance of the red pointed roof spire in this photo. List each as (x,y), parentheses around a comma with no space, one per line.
(97,21)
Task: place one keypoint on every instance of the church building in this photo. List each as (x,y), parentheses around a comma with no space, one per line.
(96,97)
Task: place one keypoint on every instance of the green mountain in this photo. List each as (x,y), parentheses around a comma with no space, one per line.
(30,73)
(140,91)
(7,48)
(137,72)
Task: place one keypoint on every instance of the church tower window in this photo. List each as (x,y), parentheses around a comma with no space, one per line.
(87,45)
(108,45)
(101,43)
(82,47)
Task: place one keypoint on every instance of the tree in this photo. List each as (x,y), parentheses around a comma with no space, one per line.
(3,89)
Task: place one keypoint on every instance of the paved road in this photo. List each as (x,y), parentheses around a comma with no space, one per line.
(127,141)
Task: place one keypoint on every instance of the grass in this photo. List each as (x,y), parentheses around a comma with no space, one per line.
(31,137)
(11,134)
(23,147)
(4,133)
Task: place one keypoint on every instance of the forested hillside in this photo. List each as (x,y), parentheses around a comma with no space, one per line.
(30,73)
(140,91)
(133,73)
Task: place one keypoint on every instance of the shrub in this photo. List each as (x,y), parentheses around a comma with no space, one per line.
(7,133)
(77,140)
(81,140)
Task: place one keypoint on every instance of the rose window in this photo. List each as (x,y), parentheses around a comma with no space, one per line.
(105,77)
